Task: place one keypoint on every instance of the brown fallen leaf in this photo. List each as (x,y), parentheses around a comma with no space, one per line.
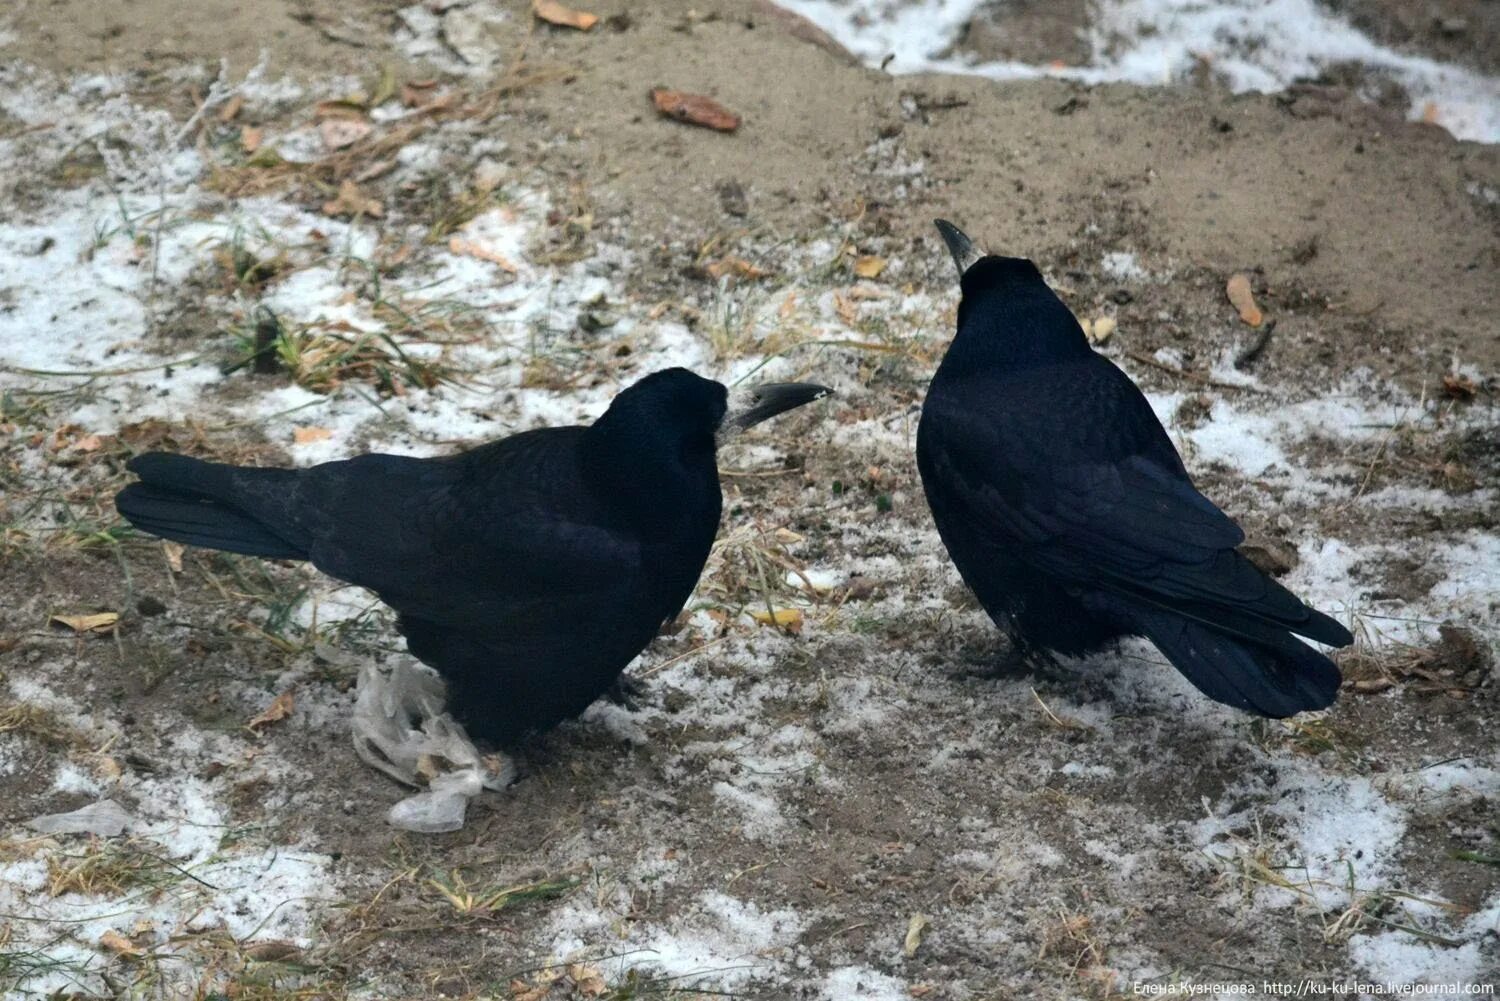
(304,436)
(339,133)
(251,136)
(846,309)
(1243,300)
(694,109)
(1460,387)
(458,245)
(280,708)
(88,443)
(274,950)
(734,266)
(119,944)
(231,109)
(869,266)
(98,622)
(566,17)
(419,93)
(174,551)
(352,201)
(336,108)
(587,980)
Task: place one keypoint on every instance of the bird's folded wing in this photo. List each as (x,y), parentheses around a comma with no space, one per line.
(1129,526)
(467,551)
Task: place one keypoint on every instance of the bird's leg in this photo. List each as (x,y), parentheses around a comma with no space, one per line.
(1020,657)
(626,692)
(402,729)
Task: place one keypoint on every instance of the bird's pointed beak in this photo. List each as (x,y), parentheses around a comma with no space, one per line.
(772,398)
(960,246)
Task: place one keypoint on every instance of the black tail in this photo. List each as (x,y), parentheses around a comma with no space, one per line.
(1274,674)
(1276,680)
(192,501)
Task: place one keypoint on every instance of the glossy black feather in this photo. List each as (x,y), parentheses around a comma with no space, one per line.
(528,572)
(1066,508)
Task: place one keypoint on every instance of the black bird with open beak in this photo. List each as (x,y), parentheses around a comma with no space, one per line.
(528,572)
(1068,511)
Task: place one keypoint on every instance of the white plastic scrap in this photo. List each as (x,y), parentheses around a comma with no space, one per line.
(385,739)
(105,818)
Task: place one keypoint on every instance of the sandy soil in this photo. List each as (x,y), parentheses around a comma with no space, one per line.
(1064,833)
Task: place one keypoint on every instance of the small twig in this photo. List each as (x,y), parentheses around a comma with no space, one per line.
(1248,357)
(1190,376)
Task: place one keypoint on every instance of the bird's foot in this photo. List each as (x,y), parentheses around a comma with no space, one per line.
(401,728)
(627,693)
(1017,660)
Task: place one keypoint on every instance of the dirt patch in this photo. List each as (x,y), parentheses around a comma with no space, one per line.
(1461,31)
(1028,31)
(304,38)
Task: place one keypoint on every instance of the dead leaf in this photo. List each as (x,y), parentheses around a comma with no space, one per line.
(119,944)
(231,109)
(338,133)
(915,928)
(88,443)
(275,950)
(99,622)
(419,93)
(305,436)
(1460,387)
(458,245)
(695,109)
(1100,329)
(789,619)
(251,137)
(1243,300)
(736,266)
(555,13)
(847,311)
(587,980)
(174,552)
(280,708)
(869,266)
(336,108)
(352,201)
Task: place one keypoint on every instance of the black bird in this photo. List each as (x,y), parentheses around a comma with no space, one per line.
(1068,511)
(528,572)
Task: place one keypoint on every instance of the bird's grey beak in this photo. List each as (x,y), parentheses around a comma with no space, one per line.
(772,398)
(960,246)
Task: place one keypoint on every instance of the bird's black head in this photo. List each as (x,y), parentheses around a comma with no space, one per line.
(655,445)
(1008,316)
(673,412)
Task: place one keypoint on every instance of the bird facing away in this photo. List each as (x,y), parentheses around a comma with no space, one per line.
(528,572)
(1069,513)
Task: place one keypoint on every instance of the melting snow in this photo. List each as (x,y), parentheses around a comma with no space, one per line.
(1259,45)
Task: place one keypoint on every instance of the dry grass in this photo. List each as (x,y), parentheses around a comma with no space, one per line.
(111,867)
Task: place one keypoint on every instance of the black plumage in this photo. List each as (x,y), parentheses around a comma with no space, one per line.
(529,572)
(1068,511)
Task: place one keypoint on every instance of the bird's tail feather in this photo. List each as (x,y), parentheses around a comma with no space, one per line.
(191,501)
(1276,680)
